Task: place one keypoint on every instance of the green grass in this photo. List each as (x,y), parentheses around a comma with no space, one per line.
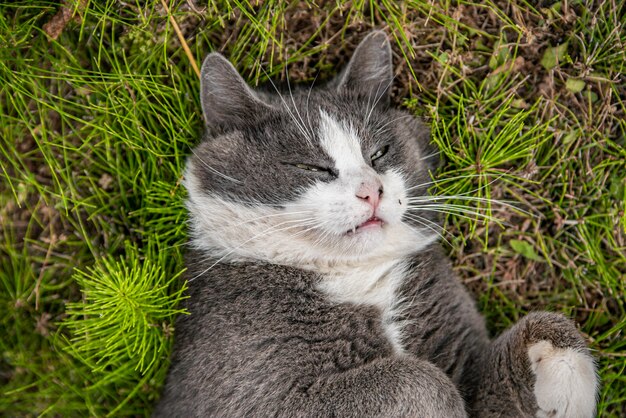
(96,126)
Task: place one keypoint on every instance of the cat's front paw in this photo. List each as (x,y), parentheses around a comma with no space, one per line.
(566,381)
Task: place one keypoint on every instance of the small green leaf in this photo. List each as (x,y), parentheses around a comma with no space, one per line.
(525,249)
(574,85)
(590,95)
(569,137)
(519,104)
(553,56)
(480,46)
(616,188)
(499,57)
(556,7)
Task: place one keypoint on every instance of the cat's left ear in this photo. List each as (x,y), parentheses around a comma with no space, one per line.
(370,70)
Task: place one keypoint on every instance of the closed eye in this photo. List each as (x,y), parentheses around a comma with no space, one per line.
(378,154)
(313,168)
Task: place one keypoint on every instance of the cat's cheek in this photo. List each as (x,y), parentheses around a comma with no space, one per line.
(394,202)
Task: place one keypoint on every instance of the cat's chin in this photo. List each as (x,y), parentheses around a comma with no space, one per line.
(364,240)
(386,239)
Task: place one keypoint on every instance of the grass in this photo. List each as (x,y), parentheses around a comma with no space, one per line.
(526,103)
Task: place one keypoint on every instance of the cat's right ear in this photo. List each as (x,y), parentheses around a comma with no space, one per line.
(226,98)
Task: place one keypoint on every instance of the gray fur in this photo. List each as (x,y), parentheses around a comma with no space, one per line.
(262,340)
(226,98)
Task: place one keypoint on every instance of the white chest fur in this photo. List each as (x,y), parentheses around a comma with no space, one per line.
(375,284)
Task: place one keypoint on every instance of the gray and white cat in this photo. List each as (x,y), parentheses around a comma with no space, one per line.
(316,290)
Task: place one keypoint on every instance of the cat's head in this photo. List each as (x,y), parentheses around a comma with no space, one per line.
(311,174)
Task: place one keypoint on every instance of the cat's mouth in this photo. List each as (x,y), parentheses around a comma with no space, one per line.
(373,222)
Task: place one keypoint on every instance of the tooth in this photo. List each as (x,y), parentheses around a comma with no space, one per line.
(353,229)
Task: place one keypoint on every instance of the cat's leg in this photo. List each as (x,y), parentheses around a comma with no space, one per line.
(542,368)
(399,386)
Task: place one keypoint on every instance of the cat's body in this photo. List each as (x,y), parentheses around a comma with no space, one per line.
(316,285)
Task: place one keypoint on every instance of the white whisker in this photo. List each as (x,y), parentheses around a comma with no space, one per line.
(300,127)
(295,108)
(430,155)
(379,97)
(428,199)
(261,234)
(214,170)
(271,216)
(421,221)
(308,96)
(465,176)
(380,129)
(457,211)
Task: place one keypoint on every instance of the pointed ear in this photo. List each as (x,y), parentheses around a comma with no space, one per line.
(370,69)
(225,97)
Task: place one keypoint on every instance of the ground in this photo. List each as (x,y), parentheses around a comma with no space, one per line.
(526,101)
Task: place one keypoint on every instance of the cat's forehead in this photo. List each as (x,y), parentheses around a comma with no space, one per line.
(339,128)
(341,142)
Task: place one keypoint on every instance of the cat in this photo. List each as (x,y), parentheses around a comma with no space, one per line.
(316,284)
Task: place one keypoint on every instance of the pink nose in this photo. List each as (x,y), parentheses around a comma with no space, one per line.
(371,191)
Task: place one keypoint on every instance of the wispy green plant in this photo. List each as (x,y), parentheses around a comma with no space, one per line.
(126,313)
(123,326)
(482,151)
(488,138)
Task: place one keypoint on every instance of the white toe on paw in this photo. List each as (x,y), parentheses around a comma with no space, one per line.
(566,381)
